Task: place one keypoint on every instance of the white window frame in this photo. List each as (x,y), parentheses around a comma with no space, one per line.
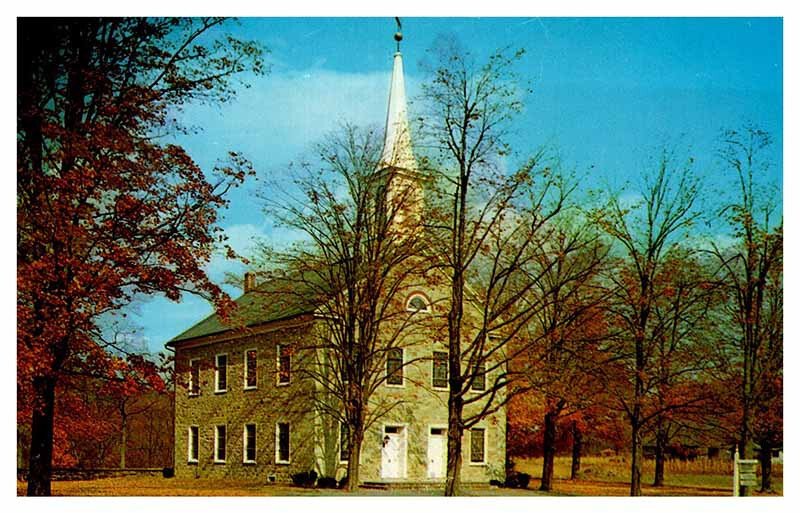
(216,443)
(420,295)
(191,438)
(402,383)
(485,447)
(245,373)
(217,389)
(485,380)
(278,459)
(244,442)
(341,426)
(278,382)
(191,381)
(447,361)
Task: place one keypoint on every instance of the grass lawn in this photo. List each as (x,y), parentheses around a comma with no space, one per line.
(611,476)
(599,477)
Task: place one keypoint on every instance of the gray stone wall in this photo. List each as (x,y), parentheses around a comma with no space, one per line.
(264,406)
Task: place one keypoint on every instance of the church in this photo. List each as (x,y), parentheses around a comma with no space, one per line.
(240,410)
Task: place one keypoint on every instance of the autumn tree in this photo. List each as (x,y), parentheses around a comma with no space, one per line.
(683,351)
(106,208)
(483,220)
(752,270)
(646,232)
(562,340)
(127,388)
(358,257)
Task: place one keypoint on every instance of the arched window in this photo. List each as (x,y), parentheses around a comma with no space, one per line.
(418,303)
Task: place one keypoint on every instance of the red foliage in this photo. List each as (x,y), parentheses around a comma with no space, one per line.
(105,209)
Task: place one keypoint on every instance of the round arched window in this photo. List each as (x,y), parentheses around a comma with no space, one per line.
(418,303)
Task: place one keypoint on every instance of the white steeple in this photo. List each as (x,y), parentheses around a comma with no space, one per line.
(397,166)
(397,152)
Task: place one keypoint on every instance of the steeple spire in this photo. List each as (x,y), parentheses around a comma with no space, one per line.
(397,151)
(398,167)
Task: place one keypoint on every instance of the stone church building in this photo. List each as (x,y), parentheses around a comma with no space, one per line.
(240,407)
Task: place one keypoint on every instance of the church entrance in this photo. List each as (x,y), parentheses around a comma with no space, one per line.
(437,444)
(393,453)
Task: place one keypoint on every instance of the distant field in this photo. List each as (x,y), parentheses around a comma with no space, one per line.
(599,477)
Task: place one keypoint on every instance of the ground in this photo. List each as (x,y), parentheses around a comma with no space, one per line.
(599,477)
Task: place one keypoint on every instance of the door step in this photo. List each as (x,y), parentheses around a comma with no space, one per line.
(417,485)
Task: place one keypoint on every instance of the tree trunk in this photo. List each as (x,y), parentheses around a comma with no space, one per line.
(577,446)
(353,457)
(123,443)
(661,443)
(40,466)
(638,398)
(766,466)
(636,459)
(455,402)
(454,434)
(549,451)
(746,442)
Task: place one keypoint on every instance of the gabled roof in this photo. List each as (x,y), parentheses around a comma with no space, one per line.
(266,303)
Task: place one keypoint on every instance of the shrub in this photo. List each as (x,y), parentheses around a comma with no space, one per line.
(168,472)
(343,481)
(327,482)
(518,480)
(496,482)
(305,479)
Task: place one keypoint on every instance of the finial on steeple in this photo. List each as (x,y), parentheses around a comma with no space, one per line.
(398,36)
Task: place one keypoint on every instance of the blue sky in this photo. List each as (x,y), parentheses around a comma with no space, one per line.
(606,94)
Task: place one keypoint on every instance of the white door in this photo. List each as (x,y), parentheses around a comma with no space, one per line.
(393,452)
(436,449)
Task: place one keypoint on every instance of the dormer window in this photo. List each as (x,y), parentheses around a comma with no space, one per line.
(418,303)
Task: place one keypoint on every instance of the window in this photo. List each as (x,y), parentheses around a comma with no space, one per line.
(250,368)
(220,443)
(479,380)
(394,366)
(439,369)
(249,443)
(418,303)
(284,365)
(221,373)
(194,377)
(477,445)
(282,443)
(344,442)
(193,444)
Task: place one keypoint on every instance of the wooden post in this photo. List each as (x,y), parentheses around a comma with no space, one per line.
(736,472)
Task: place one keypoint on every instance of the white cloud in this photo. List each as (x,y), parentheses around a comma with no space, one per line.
(243,238)
(282,113)
(723,242)
(631,200)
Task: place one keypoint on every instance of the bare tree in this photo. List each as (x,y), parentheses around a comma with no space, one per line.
(751,269)
(355,263)
(483,221)
(684,345)
(645,230)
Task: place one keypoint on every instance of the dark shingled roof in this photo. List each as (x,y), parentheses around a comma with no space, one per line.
(264,304)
